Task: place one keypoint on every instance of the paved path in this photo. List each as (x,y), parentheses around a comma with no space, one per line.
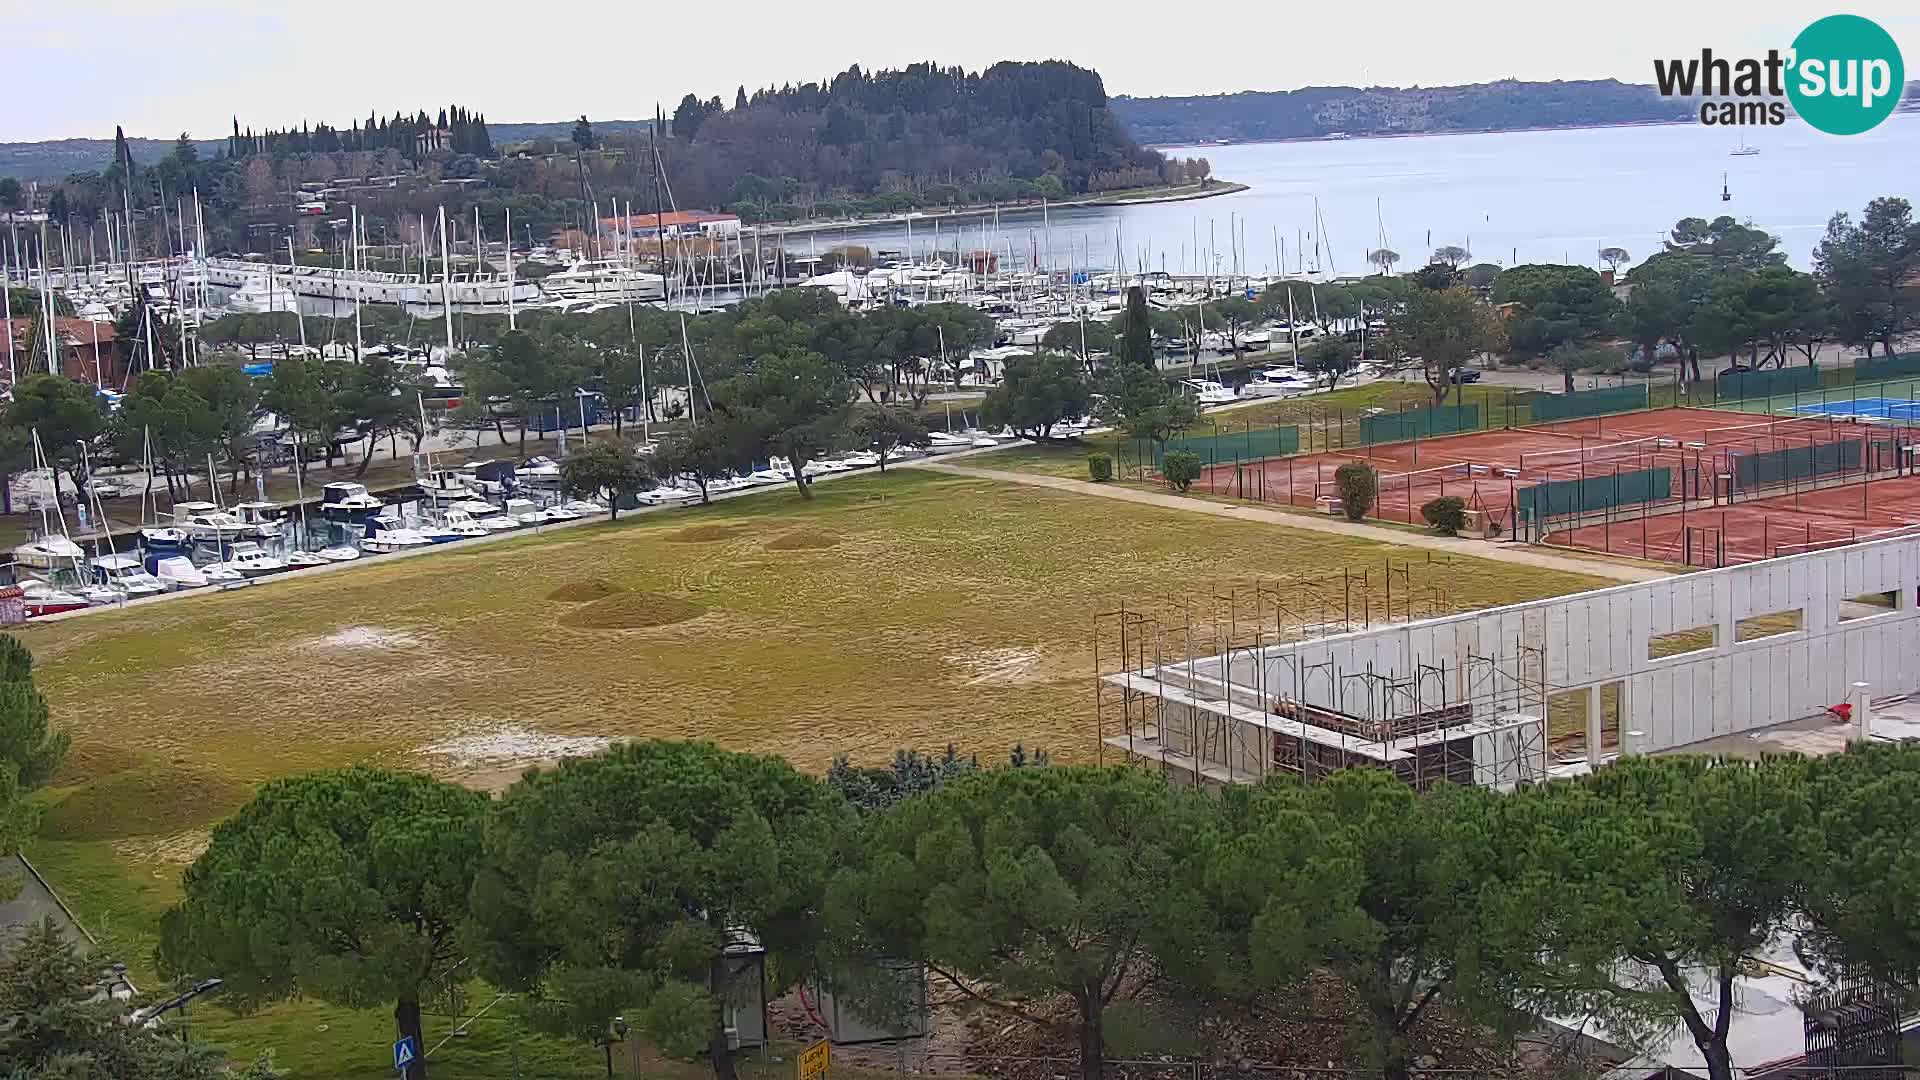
(1522,554)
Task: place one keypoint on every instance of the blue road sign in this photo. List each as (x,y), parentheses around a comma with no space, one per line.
(405,1052)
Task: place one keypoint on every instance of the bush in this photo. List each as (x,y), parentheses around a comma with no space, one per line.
(1357,485)
(1447,514)
(1181,468)
(1100,467)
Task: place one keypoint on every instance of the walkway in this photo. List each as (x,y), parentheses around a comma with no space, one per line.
(1524,555)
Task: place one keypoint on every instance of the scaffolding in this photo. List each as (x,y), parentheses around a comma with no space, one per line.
(1213,689)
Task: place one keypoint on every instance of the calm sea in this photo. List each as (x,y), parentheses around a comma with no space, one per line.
(1525,196)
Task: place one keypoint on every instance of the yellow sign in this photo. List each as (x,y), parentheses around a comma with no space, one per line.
(815,1060)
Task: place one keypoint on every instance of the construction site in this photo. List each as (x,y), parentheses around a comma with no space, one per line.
(1235,688)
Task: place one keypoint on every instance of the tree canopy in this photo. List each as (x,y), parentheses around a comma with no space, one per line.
(1037,393)
(610,884)
(349,885)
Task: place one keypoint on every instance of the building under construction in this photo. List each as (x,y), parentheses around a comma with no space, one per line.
(1295,678)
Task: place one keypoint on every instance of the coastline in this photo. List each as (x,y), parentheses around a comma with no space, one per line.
(1376,135)
(1215,190)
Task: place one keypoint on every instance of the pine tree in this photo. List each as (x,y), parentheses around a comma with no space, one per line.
(740,98)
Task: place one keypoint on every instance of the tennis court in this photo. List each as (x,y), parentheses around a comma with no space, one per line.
(1871,408)
(1490,469)
(1788,524)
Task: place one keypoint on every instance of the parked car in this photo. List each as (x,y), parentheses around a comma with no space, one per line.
(1462,375)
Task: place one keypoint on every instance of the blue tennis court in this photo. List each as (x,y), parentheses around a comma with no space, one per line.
(1877,408)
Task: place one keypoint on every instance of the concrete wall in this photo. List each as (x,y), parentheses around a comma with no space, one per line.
(1591,639)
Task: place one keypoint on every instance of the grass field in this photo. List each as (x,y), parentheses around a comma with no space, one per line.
(910,610)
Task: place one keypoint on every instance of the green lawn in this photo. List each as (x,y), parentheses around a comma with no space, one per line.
(910,610)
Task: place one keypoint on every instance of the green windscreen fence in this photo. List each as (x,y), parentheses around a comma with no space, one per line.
(1738,385)
(1887,367)
(1419,423)
(1559,498)
(1794,463)
(1580,403)
(1248,444)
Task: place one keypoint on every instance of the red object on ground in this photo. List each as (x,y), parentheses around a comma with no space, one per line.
(1844,710)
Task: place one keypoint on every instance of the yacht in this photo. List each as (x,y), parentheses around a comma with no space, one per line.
(40,598)
(604,280)
(539,472)
(462,523)
(204,521)
(339,553)
(1208,392)
(262,519)
(444,487)
(260,294)
(941,440)
(251,560)
(177,572)
(124,573)
(163,539)
(1278,382)
(49,552)
(345,501)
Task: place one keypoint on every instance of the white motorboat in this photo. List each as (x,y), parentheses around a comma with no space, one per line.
(262,519)
(204,521)
(938,441)
(497,522)
(539,472)
(39,598)
(162,539)
(251,560)
(391,540)
(589,507)
(860,459)
(261,294)
(474,508)
(1278,382)
(301,560)
(222,574)
(1208,392)
(771,476)
(124,573)
(444,487)
(604,280)
(339,553)
(49,552)
(562,512)
(345,501)
(177,572)
(661,495)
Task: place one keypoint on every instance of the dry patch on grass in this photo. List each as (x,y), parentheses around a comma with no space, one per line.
(633,611)
(156,800)
(174,851)
(368,637)
(707,534)
(585,592)
(803,540)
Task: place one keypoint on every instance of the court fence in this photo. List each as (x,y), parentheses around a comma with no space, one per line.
(1550,408)
(1735,385)
(1775,467)
(1419,423)
(1224,445)
(1562,498)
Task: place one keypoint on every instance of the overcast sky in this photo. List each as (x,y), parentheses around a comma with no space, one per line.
(78,67)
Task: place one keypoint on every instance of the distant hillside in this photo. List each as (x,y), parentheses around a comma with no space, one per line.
(62,157)
(1323,110)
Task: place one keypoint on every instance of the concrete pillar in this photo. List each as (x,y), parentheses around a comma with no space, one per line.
(1862,701)
(1593,725)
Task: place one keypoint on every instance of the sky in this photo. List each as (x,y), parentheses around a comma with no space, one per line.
(76,68)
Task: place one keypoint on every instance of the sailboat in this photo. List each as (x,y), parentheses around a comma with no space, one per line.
(1744,150)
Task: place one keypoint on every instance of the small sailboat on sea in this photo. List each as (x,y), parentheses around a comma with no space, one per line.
(1744,150)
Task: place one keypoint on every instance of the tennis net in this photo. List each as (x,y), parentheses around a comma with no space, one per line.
(1626,450)
(1439,474)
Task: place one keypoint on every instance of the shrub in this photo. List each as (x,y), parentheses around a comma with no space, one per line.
(1447,514)
(1357,485)
(1100,467)
(1181,468)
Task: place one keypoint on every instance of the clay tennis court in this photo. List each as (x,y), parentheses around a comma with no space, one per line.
(1763,529)
(1488,468)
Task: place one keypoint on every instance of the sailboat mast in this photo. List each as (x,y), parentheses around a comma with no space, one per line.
(509,245)
(446,282)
